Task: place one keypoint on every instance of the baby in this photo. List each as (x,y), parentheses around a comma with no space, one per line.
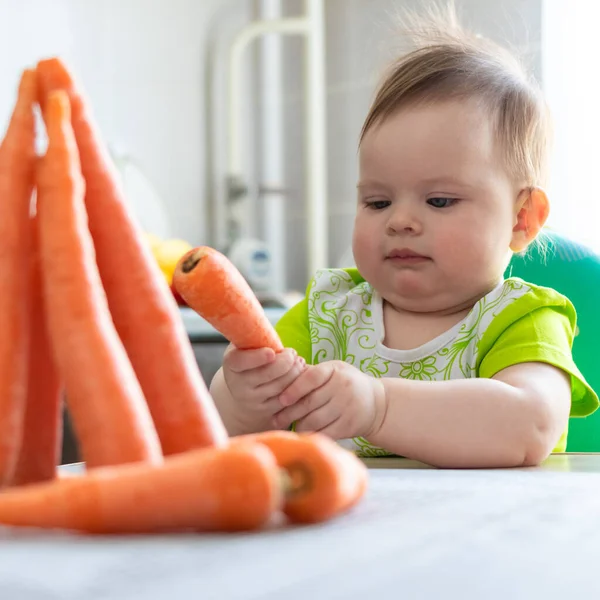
(424,350)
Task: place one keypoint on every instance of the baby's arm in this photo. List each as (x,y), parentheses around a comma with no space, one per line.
(512,419)
(225,404)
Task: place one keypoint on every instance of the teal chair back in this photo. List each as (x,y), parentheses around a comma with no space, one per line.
(573,270)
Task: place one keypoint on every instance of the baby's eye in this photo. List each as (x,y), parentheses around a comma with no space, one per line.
(441,202)
(377,204)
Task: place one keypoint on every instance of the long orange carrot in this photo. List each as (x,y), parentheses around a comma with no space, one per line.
(211,285)
(17,163)
(110,416)
(324,479)
(142,306)
(209,489)
(39,453)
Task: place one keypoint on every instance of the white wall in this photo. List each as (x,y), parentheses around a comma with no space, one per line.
(570,63)
(142,64)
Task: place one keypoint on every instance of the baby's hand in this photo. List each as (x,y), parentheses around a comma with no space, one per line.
(335,399)
(255,378)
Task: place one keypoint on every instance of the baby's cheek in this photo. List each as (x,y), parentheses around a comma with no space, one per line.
(452,248)
(366,247)
(361,242)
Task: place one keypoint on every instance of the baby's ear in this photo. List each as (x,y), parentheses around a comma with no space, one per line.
(531,211)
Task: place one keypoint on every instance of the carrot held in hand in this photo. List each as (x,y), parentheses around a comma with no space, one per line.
(40,448)
(110,416)
(324,480)
(17,163)
(211,285)
(143,309)
(209,489)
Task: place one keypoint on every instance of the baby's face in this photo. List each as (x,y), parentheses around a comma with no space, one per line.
(432,183)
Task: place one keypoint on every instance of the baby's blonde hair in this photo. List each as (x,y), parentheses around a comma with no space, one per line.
(447,63)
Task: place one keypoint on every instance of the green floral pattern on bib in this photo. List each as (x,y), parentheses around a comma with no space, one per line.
(342,327)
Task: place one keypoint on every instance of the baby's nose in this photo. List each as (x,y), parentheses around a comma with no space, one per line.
(403,219)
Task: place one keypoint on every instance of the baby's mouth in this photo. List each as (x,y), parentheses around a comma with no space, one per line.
(406,255)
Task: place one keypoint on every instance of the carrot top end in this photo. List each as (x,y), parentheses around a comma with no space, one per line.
(296,479)
(190,263)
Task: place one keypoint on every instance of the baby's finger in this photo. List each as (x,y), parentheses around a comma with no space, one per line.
(302,408)
(321,419)
(311,379)
(239,361)
(273,388)
(284,362)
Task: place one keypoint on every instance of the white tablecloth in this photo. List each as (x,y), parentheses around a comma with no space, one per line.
(420,533)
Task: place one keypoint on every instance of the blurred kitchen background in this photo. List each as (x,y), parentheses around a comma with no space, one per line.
(247,142)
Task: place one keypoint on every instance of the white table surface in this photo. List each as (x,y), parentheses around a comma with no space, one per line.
(420,533)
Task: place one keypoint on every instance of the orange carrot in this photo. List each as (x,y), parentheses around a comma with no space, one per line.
(209,489)
(17,164)
(324,479)
(110,416)
(143,308)
(41,443)
(211,285)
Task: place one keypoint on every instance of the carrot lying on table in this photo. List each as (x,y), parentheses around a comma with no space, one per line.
(110,415)
(144,311)
(41,442)
(17,163)
(209,489)
(211,285)
(324,479)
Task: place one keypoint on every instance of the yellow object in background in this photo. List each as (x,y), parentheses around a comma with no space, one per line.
(153,240)
(167,253)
